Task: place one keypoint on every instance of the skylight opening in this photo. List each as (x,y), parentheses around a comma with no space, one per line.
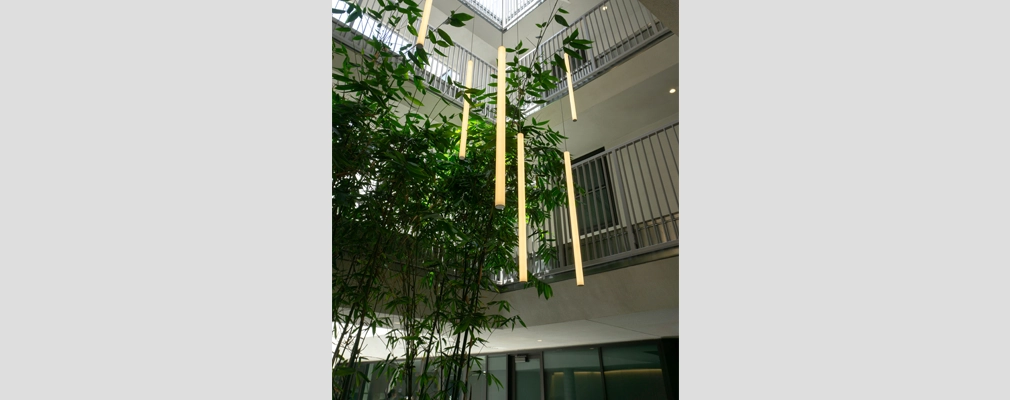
(502,16)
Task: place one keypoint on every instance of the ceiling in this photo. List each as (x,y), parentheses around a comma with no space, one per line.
(621,328)
(640,302)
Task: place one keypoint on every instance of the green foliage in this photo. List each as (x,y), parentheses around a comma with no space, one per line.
(458,20)
(417,243)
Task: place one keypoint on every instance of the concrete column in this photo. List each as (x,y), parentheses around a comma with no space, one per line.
(569,384)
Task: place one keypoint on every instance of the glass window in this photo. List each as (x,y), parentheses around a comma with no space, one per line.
(633,372)
(528,377)
(573,374)
(477,385)
(378,386)
(596,208)
(497,366)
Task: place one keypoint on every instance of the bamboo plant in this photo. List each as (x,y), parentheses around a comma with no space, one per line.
(417,242)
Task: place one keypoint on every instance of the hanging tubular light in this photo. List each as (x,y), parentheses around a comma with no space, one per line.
(571,89)
(521,173)
(499,187)
(466,110)
(577,249)
(423,29)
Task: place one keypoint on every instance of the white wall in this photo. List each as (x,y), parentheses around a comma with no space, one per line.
(645,287)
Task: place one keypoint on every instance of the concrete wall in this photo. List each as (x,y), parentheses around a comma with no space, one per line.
(645,287)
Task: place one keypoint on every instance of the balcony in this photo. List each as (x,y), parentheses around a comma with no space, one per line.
(628,202)
(627,206)
(618,28)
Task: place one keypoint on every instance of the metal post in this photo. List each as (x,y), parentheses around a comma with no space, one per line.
(648,199)
(587,211)
(601,185)
(653,178)
(670,172)
(629,223)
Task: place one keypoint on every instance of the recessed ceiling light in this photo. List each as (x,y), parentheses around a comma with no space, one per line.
(539,340)
(673,90)
(604,8)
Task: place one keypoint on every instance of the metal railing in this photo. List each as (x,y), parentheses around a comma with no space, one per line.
(627,204)
(440,69)
(618,29)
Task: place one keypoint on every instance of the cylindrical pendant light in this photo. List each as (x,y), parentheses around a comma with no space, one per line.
(499,187)
(423,29)
(571,89)
(521,173)
(466,110)
(576,248)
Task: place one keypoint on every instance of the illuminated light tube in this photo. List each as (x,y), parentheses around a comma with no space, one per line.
(571,89)
(423,29)
(577,249)
(466,111)
(499,181)
(521,173)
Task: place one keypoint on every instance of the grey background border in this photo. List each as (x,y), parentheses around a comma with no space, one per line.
(165,192)
(164,223)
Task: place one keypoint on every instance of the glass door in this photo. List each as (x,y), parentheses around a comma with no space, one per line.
(529,374)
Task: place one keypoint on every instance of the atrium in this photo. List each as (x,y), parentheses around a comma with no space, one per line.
(615,335)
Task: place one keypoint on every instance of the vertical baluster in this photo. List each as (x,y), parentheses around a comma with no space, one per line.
(614,35)
(578,210)
(644,17)
(634,8)
(627,34)
(592,218)
(599,206)
(631,237)
(676,167)
(610,26)
(589,64)
(637,190)
(599,42)
(571,233)
(669,172)
(633,22)
(579,215)
(645,188)
(599,182)
(562,234)
(585,214)
(652,179)
(594,208)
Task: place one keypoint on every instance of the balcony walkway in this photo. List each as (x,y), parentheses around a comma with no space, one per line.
(628,209)
(618,28)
